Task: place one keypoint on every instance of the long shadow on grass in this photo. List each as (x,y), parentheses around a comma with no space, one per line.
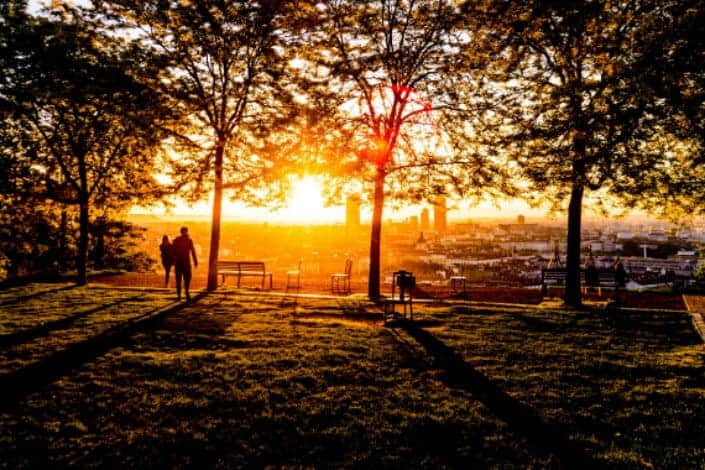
(671,329)
(17,384)
(24,298)
(520,417)
(46,328)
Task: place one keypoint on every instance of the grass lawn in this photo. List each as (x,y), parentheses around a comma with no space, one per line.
(105,377)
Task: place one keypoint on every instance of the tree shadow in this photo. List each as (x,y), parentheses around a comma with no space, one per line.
(674,329)
(536,324)
(520,417)
(18,384)
(62,323)
(24,298)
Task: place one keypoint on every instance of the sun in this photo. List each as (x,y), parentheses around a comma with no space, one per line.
(306,203)
(306,194)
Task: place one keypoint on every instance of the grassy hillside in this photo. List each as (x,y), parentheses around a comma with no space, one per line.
(107,377)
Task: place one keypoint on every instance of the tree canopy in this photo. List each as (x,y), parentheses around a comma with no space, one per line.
(225,69)
(390,75)
(83,123)
(571,107)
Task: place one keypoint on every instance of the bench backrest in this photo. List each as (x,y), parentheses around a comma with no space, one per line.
(607,278)
(553,276)
(241,265)
(558,276)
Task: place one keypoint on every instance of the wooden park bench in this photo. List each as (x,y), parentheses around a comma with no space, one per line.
(605,279)
(557,277)
(242,269)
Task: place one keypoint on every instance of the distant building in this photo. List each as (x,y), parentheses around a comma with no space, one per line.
(520,219)
(657,236)
(440,222)
(425,219)
(518,229)
(352,211)
(413,222)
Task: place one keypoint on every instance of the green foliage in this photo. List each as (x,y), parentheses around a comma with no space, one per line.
(32,239)
(115,245)
(388,84)
(567,99)
(223,65)
(83,120)
(672,68)
(85,112)
(225,69)
(39,240)
(568,103)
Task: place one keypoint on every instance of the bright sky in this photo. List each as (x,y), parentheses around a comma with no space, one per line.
(306,206)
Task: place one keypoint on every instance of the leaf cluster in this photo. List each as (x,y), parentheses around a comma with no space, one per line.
(224,69)
(80,121)
(391,78)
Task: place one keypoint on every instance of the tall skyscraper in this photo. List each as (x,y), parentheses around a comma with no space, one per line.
(352,211)
(425,219)
(521,219)
(440,224)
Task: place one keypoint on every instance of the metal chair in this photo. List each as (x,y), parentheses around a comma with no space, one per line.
(340,282)
(294,274)
(405,282)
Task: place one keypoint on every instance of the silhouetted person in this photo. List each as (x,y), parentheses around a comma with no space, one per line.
(620,279)
(183,250)
(592,277)
(167,252)
(620,274)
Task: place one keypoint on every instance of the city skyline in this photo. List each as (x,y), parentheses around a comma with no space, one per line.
(300,211)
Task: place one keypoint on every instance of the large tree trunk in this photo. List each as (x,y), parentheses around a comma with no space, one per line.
(572,280)
(215,220)
(373,286)
(82,256)
(83,219)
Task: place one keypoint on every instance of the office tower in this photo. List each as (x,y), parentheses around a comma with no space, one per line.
(439,215)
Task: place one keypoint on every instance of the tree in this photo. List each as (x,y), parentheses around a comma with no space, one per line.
(671,66)
(88,125)
(387,75)
(569,106)
(226,70)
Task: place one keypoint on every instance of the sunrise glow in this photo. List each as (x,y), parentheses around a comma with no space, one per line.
(306,204)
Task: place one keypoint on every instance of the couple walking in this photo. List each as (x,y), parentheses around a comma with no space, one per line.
(178,253)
